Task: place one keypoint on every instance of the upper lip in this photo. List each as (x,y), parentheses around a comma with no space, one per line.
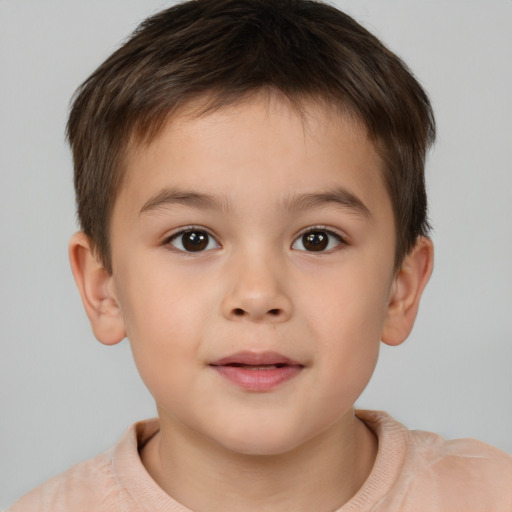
(256,359)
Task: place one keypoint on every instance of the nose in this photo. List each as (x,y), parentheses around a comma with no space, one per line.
(256,292)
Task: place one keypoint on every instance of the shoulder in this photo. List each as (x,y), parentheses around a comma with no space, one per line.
(89,485)
(106,483)
(461,471)
(434,474)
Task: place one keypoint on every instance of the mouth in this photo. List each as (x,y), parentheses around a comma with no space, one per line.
(257,371)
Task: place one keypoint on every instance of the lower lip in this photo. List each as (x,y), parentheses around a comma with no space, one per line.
(257,379)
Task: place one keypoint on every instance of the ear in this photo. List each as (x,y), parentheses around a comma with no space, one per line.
(97,290)
(406,291)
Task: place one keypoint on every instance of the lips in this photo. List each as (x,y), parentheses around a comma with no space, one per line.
(257,371)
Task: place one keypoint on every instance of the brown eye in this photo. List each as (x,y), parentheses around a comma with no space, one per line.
(193,240)
(315,241)
(318,240)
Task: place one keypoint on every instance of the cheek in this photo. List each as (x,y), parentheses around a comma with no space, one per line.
(167,318)
(160,302)
(350,342)
(346,318)
(349,304)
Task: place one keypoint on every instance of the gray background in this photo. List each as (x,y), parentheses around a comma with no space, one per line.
(64,397)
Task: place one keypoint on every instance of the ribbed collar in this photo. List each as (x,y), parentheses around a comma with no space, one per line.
(138,484)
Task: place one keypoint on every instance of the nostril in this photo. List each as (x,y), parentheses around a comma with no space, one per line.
(274,312)
(239,312)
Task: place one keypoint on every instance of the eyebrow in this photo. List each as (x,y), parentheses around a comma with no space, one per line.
(339,197)
(168,197)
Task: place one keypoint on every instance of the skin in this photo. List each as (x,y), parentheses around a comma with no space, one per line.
(255,288)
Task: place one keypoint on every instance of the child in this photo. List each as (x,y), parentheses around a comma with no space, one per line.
(249,179)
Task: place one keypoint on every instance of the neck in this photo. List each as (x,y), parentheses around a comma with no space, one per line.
(319,475)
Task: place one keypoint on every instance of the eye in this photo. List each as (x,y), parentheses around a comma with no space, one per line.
(193,240)
(317,240)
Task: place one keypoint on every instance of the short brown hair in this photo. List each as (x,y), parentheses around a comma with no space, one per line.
(225,50)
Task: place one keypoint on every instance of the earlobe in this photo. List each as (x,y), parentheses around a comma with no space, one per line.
(407,289)
(97,291)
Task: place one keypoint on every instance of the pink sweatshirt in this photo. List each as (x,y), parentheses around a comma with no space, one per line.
(414,471)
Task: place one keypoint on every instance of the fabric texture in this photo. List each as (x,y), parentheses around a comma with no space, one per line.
(414,471)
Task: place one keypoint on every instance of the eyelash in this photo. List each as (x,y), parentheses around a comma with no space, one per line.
(315,230)
(190,229)
(321,230)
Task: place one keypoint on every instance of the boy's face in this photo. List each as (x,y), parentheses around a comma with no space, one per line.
(252,235)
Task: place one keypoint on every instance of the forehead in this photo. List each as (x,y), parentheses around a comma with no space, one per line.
(262,148)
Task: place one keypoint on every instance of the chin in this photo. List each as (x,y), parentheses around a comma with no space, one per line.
(261,441)
(260,448)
